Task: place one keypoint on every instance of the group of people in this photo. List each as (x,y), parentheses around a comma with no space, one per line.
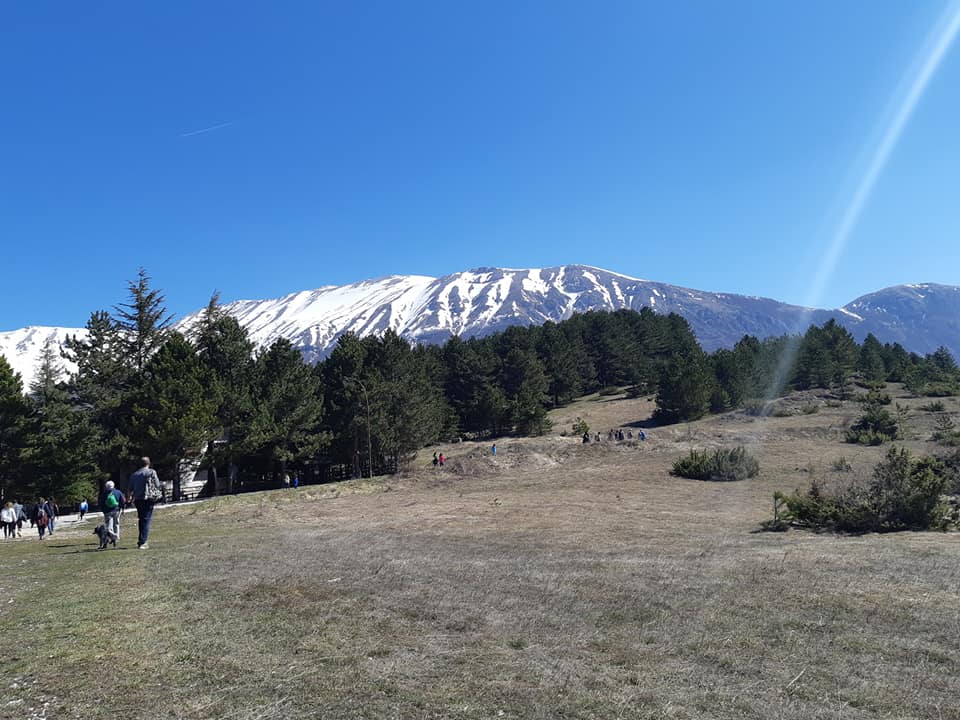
(143,492)
(41,515)
(439,459)
(616,435)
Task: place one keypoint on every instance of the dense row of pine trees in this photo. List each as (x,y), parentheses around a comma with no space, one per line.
(142,388)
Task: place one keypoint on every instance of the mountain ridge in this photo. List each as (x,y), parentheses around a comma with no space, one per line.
(484,300)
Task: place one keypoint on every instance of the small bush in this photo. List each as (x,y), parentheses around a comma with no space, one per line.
(945,432)
(874,427)
(938,389)
(935,406)
(875,397)
(721,465)
(841,464)
(904,493)
(810,409)
(580,427)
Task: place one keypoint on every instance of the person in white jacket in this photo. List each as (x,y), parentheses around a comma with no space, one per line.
(8,517)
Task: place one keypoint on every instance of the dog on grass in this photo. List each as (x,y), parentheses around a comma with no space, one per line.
(105,537)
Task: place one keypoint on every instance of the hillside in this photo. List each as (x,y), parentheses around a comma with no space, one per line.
(554,580)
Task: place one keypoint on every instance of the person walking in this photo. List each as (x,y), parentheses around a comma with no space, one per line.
(84,506)
(8,518)
(441,458)
(111,503)
(40,517)
(436,461)
(21,516)
(493,450)
(145,490)
(53,510)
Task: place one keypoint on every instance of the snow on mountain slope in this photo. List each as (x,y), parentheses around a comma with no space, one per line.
(23,348)
(486,300)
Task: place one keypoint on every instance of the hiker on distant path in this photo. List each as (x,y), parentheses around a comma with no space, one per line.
(493,450)
(296,480)
(643,435)
(53,510)
(441,459)
(84,506)
(436,460)
(21,516)
(8,518)
(145,490)
(40,517)
(586,438)
(111,503)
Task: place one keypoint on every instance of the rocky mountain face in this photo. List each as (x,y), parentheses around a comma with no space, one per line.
(485,300)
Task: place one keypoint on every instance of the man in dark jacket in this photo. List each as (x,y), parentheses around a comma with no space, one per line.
(141,485)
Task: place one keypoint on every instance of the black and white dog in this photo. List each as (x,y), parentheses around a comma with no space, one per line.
(105,537)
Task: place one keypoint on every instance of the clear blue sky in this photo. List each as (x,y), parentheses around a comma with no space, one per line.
(705,144)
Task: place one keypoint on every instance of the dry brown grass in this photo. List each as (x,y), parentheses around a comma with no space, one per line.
(555,580)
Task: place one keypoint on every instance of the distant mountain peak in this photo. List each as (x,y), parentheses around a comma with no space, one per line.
(484,300)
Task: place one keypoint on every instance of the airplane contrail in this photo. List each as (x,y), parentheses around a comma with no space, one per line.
(206,129)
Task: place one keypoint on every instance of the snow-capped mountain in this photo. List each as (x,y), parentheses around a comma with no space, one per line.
(485,300)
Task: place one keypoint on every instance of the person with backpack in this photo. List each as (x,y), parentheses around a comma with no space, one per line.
(53,510)
(111,503)
(40,517)
(146,491)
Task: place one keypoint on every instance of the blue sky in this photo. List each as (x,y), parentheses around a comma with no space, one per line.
(705,144)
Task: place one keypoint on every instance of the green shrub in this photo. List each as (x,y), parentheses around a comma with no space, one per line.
(938,389)
(875,397)
(810,409)
(841,464)
(721,464)
(935,406)
(871,384)
(580,427)
(904,493)
(945,432)
(874,427)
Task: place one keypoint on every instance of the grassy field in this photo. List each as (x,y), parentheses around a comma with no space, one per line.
(556,580)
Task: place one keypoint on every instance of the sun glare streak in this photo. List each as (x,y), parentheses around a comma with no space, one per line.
(905,100)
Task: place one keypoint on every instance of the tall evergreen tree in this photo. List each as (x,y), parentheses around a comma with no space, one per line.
(58,457)
(14,414)
(226,351)
(173,415)
(101,387)
(287,426)
(144,321)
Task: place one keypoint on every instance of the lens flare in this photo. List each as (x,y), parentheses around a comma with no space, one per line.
(903,103)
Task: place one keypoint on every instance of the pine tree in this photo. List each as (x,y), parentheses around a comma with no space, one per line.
(226,352)
(685,389)
(144,321)
(14,413)
(870,362)
(58,457)
(287,425)
(173,415)
(101,388)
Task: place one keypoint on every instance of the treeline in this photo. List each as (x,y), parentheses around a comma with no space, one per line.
(207,398)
